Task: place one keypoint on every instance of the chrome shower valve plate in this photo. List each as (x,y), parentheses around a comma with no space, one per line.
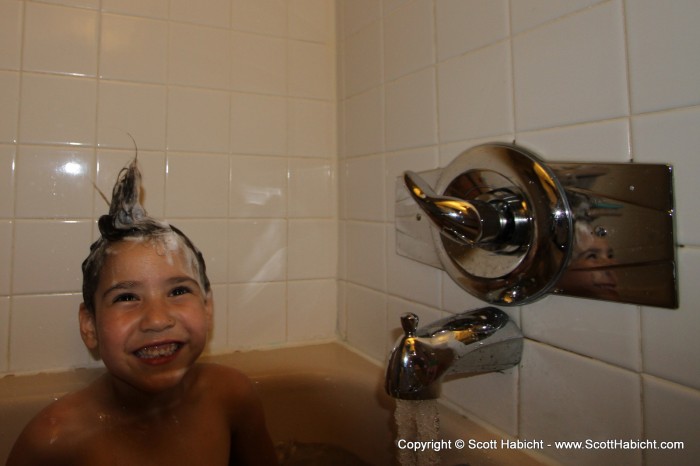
(510,228)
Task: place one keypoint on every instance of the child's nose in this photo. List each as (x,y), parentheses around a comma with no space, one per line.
(156,316)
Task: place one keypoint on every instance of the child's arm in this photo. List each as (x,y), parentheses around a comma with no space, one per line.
(40,443)
(251,444)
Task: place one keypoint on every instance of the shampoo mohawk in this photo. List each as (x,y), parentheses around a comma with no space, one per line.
(127,215)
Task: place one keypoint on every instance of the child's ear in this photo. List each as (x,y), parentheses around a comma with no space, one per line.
(88,331)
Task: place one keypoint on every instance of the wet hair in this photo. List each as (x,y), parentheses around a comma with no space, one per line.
(127,220)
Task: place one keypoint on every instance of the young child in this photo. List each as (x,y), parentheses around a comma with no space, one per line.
(147,310)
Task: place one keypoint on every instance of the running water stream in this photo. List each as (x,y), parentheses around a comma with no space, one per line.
(417,421)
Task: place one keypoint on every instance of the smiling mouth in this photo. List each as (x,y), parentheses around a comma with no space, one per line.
(163,350)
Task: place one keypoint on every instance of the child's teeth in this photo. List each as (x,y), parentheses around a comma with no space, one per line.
(157,351)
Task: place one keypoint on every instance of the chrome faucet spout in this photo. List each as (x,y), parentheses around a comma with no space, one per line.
(474,342)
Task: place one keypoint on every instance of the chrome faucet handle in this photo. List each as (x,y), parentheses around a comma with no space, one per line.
(409,322)
(469,222)
(500,222)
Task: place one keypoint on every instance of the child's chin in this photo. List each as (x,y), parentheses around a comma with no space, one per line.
(162,382)
(152,380)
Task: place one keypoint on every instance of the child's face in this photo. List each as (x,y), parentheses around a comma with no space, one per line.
(151,316)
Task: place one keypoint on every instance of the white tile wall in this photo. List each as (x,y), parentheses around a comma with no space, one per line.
(152,8)
(209,12)
(257,250)
(363,128)
(43,333)
(582,80)
(258,187)
(411,279)
(310,128)
(7,179)
(363,59)
(44,255)
(57,109)
(133,48)
(92,4)
(365,308)
(258,124)
(54,182)
(267,17)
(577,62)
(311,70)
(9,99)
(566,396)
(198,120)
(51,31)
(231,107)
(11,15)
(307,178)
(198,56)
(606,331)
(475,94)
(308,304)
(197,185)
(410,111)
(366,264)
(305,238)
(364,182)
(606,141)
(674,134)
(5,332)
(140,107)
(671,412)
(465,26)
(5,257)
(257,314)
(259,63)
(308,19)
(408,39)
(357,14)
(664,69)
(526,14)
(672,358)
(492,396)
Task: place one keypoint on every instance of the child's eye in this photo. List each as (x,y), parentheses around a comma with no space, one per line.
(180,290)
(125,297)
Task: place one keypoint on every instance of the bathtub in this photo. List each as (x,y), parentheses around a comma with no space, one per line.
(319,400)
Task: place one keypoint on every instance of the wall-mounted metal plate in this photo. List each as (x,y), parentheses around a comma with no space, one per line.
(624,248)
(601,231)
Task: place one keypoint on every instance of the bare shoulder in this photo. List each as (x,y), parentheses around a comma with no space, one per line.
(52,435)
(218,374)
(227,383)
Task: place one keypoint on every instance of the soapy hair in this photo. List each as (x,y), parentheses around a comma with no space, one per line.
(127,220)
